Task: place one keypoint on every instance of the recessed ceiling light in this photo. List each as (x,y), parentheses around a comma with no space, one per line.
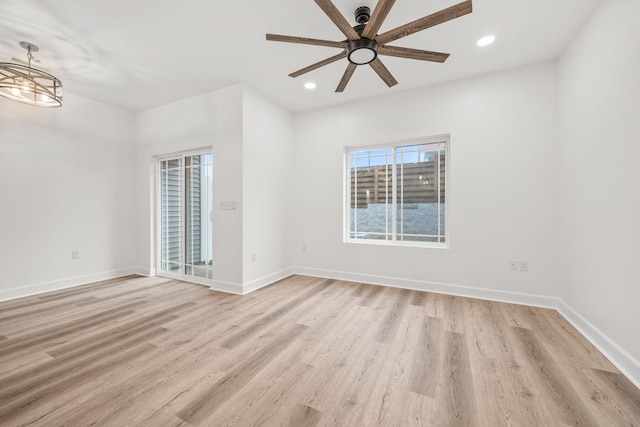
(486,41)
(309,85)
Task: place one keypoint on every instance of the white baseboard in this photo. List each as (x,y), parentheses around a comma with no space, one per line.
(214,285)
(625,362)
(266,280)
(243,289)
(145,271)
(24,291)
(228,287)
(441,288)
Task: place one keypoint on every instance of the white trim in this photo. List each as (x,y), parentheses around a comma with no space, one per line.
(145,271)
(186,278)
(39,288)
(266,280)
(228,287)
(400,243)
(441,288)
(182,155)
(626,363)
(346,176)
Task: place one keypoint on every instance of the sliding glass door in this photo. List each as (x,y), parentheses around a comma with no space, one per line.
(185,206)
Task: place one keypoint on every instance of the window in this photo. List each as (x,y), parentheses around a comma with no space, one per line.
(397,193)
(185,206)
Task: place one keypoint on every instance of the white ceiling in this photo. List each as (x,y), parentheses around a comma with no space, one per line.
(138,54)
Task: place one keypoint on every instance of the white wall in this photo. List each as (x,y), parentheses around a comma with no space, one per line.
(251,140)
(267,182)
(65,184)
(502,130)
(598,198)
(227,186)
(212,120)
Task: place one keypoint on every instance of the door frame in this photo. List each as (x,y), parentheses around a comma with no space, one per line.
(158,211)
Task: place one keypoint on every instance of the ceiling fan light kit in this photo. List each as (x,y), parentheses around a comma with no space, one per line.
(364,45)
(362,51)
(28,85)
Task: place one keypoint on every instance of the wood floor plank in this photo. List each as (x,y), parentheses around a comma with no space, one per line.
(388,328)
(503,389)
(359,289)
(53,370)
(276,314)
(121,332)
(553,382)
(305,351)
(206,404)
(271,389)
(621,393)
(20,362)
(33,300)
(269,393)
(515,315)
(372,294)
(176,372)
(38,339)
(424,367)
(457,378)
(299,415)
(19,402)
(387,400)
(43,307)
(573,343)
(433,305)
(591,390)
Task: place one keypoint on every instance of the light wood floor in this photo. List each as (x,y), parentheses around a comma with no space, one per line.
(302,352)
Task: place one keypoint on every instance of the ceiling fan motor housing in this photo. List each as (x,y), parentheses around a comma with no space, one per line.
(362,51)
(363,13)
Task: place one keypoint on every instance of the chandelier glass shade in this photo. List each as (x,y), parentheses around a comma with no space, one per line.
(26,84)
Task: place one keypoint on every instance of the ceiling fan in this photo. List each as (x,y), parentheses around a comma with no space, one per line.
(364,44)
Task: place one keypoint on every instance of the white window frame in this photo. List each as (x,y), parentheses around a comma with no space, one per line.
(179,276)
(446,138)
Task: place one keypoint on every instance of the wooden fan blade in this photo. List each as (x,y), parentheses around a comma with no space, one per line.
(377,18)
(346,77)
(319,64)
(304,40)
(405,52)
(382,71)
(432,20)
(334,14)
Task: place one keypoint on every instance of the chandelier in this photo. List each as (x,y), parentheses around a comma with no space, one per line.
(29,85)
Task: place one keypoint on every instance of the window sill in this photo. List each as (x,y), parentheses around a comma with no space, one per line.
(398,243)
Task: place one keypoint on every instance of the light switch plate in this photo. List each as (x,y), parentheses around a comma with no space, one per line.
(228,205)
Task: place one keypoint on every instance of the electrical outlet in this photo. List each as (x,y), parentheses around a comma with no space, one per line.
(513,265)
(253,257)
(524,265)
(75,254)
(304,248)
